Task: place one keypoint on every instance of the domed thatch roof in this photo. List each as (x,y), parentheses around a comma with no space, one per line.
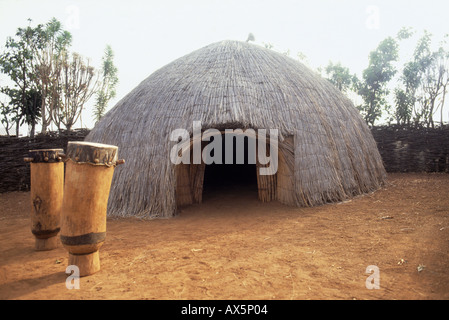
(327,152)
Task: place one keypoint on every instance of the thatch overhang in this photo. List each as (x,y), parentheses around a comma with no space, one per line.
(326,151)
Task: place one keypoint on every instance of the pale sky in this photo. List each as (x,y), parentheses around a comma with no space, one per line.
(146,35)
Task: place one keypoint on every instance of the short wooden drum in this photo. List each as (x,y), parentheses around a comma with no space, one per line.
(47,184)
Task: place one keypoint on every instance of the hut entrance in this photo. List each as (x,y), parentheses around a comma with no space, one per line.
(196,182)
(231,178)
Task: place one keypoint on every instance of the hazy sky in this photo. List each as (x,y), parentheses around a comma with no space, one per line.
(146,35)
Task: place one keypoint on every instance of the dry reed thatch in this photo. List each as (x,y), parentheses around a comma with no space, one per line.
(326,151)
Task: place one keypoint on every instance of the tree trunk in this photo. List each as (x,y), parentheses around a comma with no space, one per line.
(17,127)
(44,120)
(33,129)
(7,129)
(441,112)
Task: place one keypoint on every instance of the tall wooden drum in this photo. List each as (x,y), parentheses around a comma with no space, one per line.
(89,170)
(47,184)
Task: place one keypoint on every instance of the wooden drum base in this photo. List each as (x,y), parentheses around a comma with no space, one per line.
(87,263)
(46,244)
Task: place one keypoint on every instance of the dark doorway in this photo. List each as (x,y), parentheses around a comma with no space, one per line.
(230,179)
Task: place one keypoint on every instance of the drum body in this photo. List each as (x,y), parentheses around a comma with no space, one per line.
(47,185)
(89,171)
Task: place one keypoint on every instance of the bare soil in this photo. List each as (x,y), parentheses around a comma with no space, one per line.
(234,247)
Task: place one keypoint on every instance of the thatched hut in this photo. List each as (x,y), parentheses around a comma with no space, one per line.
(326,151)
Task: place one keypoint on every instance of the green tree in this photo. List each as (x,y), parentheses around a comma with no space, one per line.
(53,43)
(434,86)
(77,85)
(405,33)
(32,109)
(423,84)
(17,62)
(406,95)
(30,61)
(444,62)
(339,76)
(404,103)
(373,86)
(107,85)
(7,116)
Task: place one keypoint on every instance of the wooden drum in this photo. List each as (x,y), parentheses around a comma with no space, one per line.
(47,184)
(89,170)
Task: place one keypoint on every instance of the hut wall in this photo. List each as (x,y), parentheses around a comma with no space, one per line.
(285,182)
(189,183)
(266,185)
(183,185)
(196,181)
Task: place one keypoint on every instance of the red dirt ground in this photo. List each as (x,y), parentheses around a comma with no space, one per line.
(234,247)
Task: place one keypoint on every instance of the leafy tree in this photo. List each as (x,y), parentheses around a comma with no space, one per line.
(444,63)
(7,118)
(433,86)
(107,85)
(373,87)
(339,76)
(53,42)
(17,62)
(411,79)
(405,33)
(30,59)
(424,81)
(404,103)
(32,109)
(77,85)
